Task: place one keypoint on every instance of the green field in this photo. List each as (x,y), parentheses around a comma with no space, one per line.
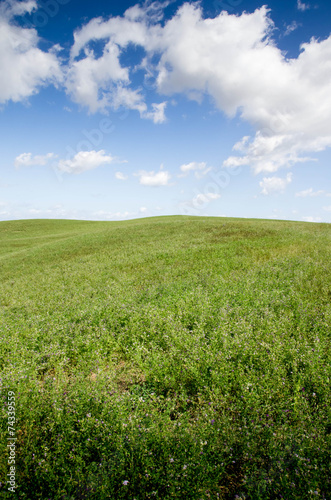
(168,357)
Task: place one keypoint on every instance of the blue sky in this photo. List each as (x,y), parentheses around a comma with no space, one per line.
(117,110)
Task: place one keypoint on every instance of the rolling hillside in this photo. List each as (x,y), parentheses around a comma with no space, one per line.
(167,357)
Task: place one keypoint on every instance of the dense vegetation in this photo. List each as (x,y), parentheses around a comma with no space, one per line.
(171,357)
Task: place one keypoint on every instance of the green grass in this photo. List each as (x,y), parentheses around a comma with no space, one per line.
(170,357)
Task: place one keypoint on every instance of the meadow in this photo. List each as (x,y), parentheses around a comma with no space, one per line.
(167,357)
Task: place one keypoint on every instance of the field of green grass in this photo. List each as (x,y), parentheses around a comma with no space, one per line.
(169,357)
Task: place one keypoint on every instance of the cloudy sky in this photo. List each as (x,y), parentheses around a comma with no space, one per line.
(114,110)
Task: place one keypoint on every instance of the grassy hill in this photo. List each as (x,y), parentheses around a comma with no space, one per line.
(168,357)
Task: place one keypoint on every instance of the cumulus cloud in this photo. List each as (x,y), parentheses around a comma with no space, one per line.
(83,161)
(153,178)
(138,25)
(90,81)
(231,58)
(327,209)
(132,99)
(11,8)
(102,82)
(131,28)
(271,185)
(24,67)
(158,112)
(269,153)
(27,160)
(287,100)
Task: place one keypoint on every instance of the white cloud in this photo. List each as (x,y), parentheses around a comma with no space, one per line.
(199,169)
(120,176)
(102,83)
(137,26)
(269,153)
(83,161)
(271,185)
(192,166)
(291,27)
(90,81)
(288,101)
(27,160)
(302,6)
(327,209)
(121,30)
(158,112)
(132,99)
(142,210)
(24,67)
(312,219)
(11,8)
(311,192)
(154,179)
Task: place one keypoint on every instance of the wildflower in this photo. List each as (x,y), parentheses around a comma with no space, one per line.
(125,482)
(171,460)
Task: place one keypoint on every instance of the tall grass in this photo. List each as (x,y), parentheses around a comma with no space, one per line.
(172,357)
